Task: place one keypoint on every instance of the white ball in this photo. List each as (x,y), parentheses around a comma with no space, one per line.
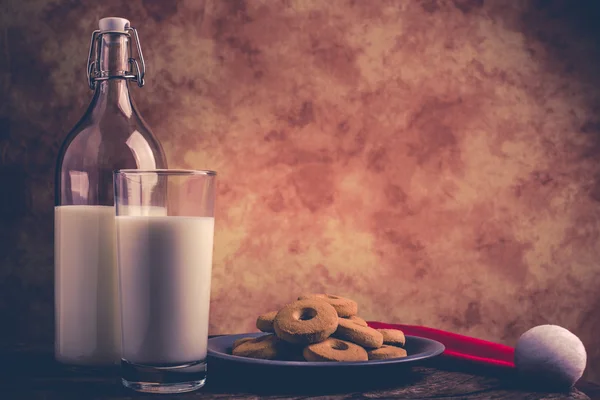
(550,353)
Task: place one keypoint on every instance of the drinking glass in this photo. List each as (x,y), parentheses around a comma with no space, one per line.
(165,230)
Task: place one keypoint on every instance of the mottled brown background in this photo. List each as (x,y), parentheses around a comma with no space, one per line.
(435,160)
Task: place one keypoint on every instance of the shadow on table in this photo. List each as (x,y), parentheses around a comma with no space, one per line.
(38,376)
(30,376)
(224,377)
(511,381)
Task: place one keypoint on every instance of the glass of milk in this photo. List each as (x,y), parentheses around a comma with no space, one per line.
(165,230)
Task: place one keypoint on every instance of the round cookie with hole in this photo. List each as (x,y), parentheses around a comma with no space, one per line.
(333,349)
(305,321)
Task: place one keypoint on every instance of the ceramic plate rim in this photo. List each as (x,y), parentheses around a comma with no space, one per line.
(438,348)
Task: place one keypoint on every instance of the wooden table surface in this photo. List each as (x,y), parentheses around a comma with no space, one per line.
(33,374)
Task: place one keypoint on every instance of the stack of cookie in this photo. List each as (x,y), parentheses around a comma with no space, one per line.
(320,327)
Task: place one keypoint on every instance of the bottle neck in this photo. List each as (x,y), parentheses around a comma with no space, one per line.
(113,60)
(114,53)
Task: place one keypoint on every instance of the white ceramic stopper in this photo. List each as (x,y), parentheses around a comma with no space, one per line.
(552,354)
(113,24)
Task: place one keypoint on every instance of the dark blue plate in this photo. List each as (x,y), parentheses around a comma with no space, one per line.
(417,348)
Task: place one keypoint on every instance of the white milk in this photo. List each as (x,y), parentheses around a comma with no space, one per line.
(88,323)
(165,272)
(86,297)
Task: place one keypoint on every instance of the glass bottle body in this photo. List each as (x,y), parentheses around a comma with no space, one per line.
(111,135)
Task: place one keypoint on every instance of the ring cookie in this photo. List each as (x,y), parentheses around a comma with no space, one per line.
(393,337)
(361,335)
(357,320)
(385,352)
(266,347)
(320,327)
(344,307)
(240,341)
(335,350)
(306,321)
(264,322)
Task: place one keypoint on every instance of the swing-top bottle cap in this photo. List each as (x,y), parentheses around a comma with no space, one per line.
(116,25)
(113,24)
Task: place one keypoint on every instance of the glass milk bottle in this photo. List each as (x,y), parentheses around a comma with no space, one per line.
(111,135)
